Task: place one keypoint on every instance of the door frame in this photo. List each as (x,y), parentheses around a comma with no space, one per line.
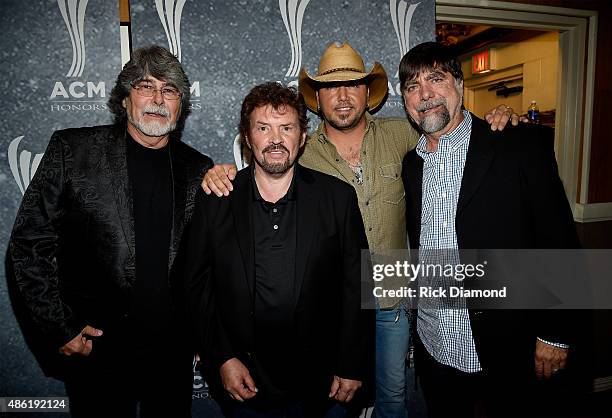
(575,86)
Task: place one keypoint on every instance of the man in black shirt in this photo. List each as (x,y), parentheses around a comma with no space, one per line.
(150,178)
(274,233)
(95,276)
(273,275)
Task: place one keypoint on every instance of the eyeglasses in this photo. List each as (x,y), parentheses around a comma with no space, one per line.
(147,90)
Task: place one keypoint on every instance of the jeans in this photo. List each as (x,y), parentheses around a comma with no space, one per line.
(392,339)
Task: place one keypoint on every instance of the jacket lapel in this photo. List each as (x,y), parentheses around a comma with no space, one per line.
(241,200)
(178,170)
(412,173)
(118,173)
(306,224)
(479,157)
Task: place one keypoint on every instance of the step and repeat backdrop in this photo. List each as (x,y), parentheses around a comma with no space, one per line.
(60,59)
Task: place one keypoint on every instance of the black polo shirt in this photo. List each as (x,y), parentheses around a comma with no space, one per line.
(274,228)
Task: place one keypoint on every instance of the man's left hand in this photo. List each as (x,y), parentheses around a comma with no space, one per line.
(499,116)
(549,359)
(343,390)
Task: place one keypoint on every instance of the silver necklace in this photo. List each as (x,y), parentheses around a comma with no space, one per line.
(358,170)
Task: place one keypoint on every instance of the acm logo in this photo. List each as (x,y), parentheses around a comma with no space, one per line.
(77,95)
(194,102)
(402,13)
(200,387)
(292,14)
(22,165)
(170,15)
(88,95)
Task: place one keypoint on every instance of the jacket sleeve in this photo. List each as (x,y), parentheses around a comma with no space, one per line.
(33,247)
(355,359)
(553,227)
(210,340)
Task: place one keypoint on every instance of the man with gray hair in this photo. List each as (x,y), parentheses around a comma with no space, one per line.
(93,252)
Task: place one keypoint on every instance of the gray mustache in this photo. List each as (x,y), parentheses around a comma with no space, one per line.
(157,109)
(430,105)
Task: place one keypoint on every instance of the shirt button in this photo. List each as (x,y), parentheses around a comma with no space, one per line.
(442,167)
(367,203)
(370,228)
(274,210)
(443,224)
(276,226)
(443,195)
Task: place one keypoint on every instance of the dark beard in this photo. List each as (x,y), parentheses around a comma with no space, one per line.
(274,168)
(341,127)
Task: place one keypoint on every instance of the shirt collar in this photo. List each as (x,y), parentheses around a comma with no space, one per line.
(290,195)
(452,140)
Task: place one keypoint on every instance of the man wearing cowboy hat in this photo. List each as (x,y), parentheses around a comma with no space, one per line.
(367,153)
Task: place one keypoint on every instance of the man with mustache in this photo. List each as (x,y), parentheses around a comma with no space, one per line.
(470,188)
(95,275)
(366,152)
(275,268)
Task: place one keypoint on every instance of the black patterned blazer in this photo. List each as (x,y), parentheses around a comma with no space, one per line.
(71,256)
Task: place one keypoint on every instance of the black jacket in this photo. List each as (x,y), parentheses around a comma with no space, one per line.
(71,256)
(335,336)
(511,197)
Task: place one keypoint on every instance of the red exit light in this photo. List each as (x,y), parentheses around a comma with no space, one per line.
(481,62)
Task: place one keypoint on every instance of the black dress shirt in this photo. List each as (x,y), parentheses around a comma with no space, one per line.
(275,245)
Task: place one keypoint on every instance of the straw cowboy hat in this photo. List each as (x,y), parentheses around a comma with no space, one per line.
(340,62)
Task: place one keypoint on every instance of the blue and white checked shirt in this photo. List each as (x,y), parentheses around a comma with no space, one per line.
(445,331)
